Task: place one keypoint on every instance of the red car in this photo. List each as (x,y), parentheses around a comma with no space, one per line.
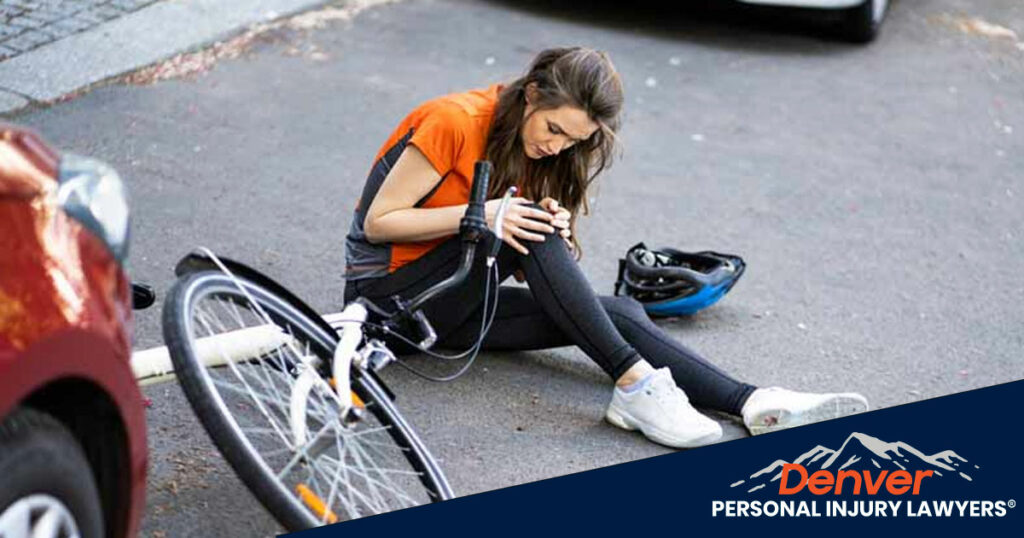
(72,422)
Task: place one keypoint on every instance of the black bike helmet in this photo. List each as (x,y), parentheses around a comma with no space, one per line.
(670,282)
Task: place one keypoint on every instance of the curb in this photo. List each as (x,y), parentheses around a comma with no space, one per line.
(136,40)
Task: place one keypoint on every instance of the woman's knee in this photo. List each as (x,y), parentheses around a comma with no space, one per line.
(552,244)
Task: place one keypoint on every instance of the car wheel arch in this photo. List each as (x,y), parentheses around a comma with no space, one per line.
(92,416)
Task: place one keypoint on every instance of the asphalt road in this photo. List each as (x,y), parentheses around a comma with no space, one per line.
(875,193)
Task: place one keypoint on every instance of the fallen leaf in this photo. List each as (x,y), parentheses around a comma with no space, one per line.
(976,26)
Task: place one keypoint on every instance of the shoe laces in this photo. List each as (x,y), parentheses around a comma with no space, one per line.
(665,391)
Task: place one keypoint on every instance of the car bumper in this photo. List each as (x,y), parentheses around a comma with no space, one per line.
(819,4)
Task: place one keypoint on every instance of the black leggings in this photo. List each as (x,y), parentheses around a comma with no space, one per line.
(559,309)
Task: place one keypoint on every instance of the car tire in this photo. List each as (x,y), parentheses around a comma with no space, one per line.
(44,467)
(860,24)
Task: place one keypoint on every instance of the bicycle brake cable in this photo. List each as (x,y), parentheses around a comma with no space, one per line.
(485,325)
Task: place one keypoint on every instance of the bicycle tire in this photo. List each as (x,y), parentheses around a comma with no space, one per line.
(213,401)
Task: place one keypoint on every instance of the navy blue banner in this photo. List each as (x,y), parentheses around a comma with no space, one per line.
(950,464)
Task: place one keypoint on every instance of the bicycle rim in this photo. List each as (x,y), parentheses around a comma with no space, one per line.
(340,471)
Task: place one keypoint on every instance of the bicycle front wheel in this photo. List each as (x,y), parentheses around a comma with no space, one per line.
(238,351)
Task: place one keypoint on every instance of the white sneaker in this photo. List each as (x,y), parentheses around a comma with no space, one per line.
(662,412)
(775,408)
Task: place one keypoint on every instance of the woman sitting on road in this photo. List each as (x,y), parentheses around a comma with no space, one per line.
(550,133)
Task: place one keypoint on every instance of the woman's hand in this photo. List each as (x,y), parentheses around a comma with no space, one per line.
(561,218)
(521,222)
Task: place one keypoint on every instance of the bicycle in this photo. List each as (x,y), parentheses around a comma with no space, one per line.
(292,399)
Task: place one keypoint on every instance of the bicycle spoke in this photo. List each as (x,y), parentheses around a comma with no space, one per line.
(384,481)
(241,324)
(360,456)
(334,483)
(259,404)
(302,452)
(351,507)
(367,477)
(390,474)
(357,492)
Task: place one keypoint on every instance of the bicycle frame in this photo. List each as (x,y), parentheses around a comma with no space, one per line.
(154,365)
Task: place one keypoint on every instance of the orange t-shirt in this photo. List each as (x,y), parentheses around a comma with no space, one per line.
(451,131)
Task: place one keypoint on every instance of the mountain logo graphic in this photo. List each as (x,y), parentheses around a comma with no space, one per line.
(860,456)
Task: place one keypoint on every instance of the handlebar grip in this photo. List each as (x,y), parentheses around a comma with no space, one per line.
(474,222)
(481,177)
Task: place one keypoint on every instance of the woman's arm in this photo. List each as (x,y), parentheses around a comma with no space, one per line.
(392,217)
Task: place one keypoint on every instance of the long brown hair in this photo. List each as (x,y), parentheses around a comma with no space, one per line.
(575,76)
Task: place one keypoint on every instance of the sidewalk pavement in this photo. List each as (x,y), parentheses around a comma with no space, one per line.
(50,48)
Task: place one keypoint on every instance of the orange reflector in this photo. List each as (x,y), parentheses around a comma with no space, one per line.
(356,400)
(316,504)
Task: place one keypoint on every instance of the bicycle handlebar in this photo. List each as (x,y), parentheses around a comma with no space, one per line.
(472,229)
(478,192)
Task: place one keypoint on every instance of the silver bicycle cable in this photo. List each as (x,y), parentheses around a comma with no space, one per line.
(486,319)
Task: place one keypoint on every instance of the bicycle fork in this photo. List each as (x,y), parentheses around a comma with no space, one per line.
(349,325)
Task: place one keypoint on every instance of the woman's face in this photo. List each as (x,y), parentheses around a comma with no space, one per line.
(548,132)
